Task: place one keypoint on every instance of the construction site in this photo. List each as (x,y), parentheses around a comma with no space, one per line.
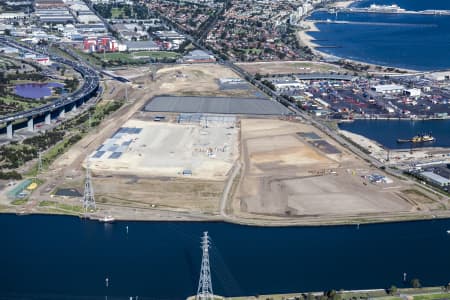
(177,148)
(292,169)
(182,147)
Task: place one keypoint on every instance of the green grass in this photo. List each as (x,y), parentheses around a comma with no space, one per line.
(9,99)
(115,12)
(253,51)
(134,57)
(74,208)
(88,57)
(19,201)
(157,54)
(46,203)
(115,56)
(432,296)
(61,206)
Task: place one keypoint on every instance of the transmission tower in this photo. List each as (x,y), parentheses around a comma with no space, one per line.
(88,199)
(39,168)
(205,291)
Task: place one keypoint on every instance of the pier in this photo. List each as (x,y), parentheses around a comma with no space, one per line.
(328,21)
(386,11)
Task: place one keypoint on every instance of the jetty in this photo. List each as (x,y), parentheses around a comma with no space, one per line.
(328,21)
(386,11)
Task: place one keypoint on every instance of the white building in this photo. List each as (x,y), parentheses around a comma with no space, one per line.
(388,88)
(412,92)
(435,179)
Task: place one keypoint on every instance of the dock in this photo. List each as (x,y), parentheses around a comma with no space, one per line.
(386,11)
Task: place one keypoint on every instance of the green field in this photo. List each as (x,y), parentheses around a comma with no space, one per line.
(115,12)
(157,54)
(432,296)
(252,50)
(140,57)
(61,206)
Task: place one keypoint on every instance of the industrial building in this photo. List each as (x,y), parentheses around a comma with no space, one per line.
(142,46)
(102,44)
(216,105)
(54,15)
(388,88)
(435,179)
(413,92)
(198,56)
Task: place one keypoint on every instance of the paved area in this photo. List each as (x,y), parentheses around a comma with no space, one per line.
(169,149)
(216,105)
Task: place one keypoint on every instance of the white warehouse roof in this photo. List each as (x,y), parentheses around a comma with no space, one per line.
(436,178)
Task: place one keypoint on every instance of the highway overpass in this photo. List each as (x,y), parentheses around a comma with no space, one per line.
(58,107)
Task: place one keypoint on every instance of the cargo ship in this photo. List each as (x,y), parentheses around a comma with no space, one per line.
(421,138)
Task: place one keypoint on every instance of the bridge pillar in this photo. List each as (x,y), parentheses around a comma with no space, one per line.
(74,107)
(9,130)
(62,113)
(30,125)
(48,119)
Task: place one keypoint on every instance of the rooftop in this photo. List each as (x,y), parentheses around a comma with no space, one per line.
(435,177)
(216,105)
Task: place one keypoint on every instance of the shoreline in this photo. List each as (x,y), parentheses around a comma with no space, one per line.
(381,218)
(381,293)
(395,119)
(307,40)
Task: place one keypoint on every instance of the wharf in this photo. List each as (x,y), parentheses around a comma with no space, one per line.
(386,11)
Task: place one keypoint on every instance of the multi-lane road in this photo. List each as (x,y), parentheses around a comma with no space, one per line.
(85,92)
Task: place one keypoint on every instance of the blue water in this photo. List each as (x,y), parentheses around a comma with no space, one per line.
(386,132)
(419,42)
(36,90)
(408,4)
(55,257)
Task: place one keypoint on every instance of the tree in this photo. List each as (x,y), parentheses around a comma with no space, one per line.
(392,290)
(415,283)
(258,76)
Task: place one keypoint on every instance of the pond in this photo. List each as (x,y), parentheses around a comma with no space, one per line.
(36,90)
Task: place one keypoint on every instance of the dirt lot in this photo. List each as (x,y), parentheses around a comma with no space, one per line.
(284,174)
(189,80)
(203,195)
(287,67)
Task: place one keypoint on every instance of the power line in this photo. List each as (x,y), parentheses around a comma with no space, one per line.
(39,168)
(204,291)
(88,199)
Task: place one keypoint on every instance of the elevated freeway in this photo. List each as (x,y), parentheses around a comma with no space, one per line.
(58,107)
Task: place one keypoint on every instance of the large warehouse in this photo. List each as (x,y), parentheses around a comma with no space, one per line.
(216,105)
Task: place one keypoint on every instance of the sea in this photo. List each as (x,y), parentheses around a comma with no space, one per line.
(386,132)
(62,257)
(420,42)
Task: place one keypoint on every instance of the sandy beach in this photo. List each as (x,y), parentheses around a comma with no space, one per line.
(342,4)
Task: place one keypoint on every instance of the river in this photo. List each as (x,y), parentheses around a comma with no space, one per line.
(58,257)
